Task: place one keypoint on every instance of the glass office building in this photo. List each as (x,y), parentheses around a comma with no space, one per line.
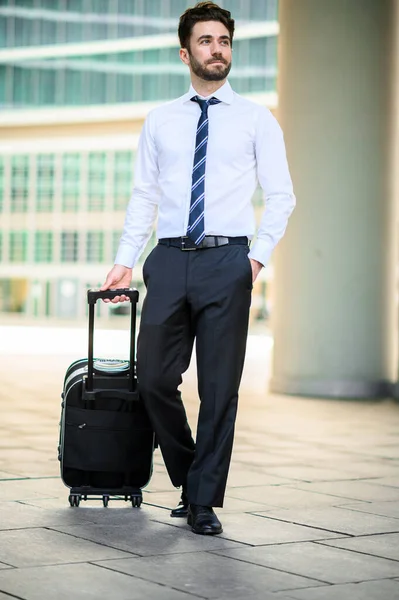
(77,78)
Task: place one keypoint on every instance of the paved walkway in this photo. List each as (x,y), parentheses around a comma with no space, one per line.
(311,512)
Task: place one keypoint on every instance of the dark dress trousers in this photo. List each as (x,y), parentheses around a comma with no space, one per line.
(202,295)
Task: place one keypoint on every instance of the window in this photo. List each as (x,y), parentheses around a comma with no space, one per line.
(70,182)
(1,184)
(43,246)
(69,246)
(46,88)
(18,246)
(19,183)
(23,82)
(95,247)
(123,179)
(40,85)
(96,188)
(45,183)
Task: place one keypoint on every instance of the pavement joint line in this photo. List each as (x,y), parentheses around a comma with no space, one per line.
(21,529)
(287,543)
(323,493)
(8,565)
(29,478)
(157,505)
(364,512)
(217,552)
(85,539)
(12,595)
(135,576)
(349,535)
(26,502)
(221,537)
(323,543)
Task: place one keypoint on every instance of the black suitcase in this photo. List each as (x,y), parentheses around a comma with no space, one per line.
(106,440)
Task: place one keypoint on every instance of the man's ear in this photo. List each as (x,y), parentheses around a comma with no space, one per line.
(184,57)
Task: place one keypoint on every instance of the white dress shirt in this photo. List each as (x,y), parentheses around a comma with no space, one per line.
(245,146)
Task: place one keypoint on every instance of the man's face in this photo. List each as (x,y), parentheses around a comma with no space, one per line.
(209,54)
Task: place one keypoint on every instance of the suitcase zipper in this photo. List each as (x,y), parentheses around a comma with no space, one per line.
(97,427)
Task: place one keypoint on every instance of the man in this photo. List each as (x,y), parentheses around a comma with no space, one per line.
(198,163)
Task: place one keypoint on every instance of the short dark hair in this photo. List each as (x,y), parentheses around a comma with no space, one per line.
(203,11)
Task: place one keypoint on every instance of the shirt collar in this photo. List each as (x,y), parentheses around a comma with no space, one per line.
(225,94)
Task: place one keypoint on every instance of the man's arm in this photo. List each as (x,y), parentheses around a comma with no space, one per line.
(140,214)
(275,180)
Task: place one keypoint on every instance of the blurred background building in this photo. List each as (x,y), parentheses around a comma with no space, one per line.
(77,78)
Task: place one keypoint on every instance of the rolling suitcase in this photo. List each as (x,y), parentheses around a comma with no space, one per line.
(106,440)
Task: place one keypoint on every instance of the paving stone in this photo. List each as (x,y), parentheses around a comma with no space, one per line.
(358,490)
(373,470)
(285,496)
(239,477)
(18,455)
(82,582)
(265,596)
(255,530)
(231,505)
(384,589)
(118,511)
(385,450)
(34,547)
(7,475)
(22,489)
(48,468)
(321,562)
(144,536)
(385,545)
(250,530)
(383,509)
(209,575)
(310,473)
(336,519)
(279,442)
(264,459)
(17,515)
(389,481)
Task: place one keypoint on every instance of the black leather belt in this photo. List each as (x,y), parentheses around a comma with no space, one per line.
(209,241)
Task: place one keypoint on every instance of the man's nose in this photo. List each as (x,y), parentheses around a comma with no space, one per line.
(217,51)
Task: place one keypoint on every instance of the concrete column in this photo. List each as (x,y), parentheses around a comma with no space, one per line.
(334,316)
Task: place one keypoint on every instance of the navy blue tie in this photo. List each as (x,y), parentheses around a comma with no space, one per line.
(196,225)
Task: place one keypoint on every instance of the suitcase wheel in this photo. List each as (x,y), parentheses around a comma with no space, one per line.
(105,500)
(74,499)
(136,500)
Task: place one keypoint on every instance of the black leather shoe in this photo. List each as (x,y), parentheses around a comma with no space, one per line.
(203,520)
(182,508)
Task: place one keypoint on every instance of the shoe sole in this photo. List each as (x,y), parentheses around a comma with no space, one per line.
(182,516)
(210,532)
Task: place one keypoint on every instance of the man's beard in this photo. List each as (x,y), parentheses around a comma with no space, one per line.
(202,72)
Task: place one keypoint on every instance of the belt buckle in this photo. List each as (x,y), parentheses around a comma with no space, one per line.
(183,247)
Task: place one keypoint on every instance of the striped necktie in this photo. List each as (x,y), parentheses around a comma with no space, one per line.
(196,225)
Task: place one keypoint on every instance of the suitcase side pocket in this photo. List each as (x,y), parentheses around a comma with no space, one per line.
(101,440)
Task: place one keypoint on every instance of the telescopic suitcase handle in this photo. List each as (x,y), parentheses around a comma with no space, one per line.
(92,297)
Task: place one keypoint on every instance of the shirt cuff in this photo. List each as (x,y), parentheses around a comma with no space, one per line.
(126,256)
(261,251)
